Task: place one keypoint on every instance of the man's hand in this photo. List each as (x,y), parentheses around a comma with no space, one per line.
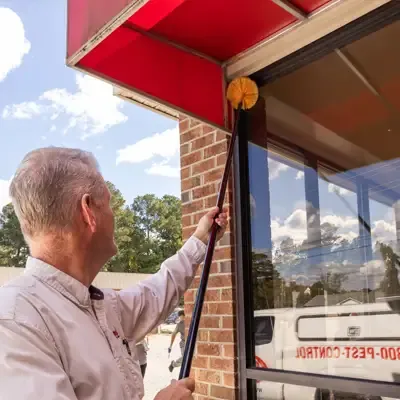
(206,222)
(177,390)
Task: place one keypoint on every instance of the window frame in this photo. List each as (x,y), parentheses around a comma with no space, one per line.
(248,374)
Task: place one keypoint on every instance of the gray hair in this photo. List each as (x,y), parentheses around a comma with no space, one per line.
(48,186)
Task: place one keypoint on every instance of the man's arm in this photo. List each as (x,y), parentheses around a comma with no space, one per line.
(148,304)
(29,365)
(145,306)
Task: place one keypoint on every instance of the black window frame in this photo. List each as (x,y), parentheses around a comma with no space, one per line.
(248,374)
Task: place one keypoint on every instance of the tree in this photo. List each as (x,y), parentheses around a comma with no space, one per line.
(169,226)
(127,237)
(159,220)
(269,288)
(390,284)
(13,248)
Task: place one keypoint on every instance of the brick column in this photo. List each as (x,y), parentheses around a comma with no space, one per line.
(203,154)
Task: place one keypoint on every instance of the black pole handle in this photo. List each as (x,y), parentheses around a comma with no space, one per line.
(194,324)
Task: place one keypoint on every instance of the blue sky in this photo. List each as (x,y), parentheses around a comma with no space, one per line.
(43,103)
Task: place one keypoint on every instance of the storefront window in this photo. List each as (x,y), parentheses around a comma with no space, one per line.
(324,197)
(286,391)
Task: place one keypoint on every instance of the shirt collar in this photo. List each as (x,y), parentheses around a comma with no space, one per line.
(62,282)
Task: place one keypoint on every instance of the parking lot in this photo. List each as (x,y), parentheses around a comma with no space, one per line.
(157,374)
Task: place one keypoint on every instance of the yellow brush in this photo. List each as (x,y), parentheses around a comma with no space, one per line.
(242,93)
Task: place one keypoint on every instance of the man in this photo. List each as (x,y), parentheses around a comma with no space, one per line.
(180,328)
(62,338)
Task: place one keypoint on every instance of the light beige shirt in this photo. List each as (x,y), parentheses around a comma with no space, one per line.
(60,340)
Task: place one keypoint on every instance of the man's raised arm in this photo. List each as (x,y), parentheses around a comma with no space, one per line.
(149,303)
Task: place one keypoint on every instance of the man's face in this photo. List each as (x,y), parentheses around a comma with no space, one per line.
(102,241)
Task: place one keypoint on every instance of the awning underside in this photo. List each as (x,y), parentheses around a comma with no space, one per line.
(173,51)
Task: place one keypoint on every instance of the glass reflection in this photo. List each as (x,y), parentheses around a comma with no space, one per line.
(325,216)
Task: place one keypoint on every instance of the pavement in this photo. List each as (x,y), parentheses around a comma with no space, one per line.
(157,374)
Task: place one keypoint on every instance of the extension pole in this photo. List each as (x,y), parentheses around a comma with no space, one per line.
(194,324)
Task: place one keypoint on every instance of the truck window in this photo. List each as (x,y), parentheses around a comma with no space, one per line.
(263,330)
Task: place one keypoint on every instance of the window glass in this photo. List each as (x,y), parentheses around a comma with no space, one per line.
(324,198)
(280,391)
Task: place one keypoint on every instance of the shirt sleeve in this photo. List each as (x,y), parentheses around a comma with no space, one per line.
(145,306)
(30,367)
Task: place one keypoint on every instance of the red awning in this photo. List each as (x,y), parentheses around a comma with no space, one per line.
(175,51)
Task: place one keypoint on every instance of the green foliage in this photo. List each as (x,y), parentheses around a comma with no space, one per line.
(146,232)
(13,249)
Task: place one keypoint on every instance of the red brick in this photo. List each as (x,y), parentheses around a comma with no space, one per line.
(219,308)
(215,149)
(194,122)
(221,159)
(208,128)
(225,267)
(204,335)
(209,349)
(223,253)
(185,149)
(203,141)
(204,191)
(213,295)
(191,158)
(184,125)
(221,392)
(185,173)
(227,294)
(221,336)
(213,175)
(186,221)
(210,201)
(200,362)
(230,380)
(190,183)
(210,322)
(191,134)
(222,364)
(188,308)
(190,295)
(229,350)
(209,376)
(227,240)
(228,323)
(202,388)
(221,136)
(187,232)
(220,281)
(192,207)
(204,166)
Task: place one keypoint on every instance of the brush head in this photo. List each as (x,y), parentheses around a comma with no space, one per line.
(242,91)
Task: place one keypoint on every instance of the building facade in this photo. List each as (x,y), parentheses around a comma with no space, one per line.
(303,298)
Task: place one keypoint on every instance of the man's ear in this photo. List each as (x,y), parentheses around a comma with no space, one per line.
(87,212)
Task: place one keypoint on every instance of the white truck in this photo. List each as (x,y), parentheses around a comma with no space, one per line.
(357,341)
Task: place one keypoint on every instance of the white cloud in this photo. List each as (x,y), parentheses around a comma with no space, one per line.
(92,108)
(383,231)
(163,169)
(275,168)
(164,144)
(332,188)
(43,137)
(13,43)
(300,175)
(295,226)
(4,196)
(53,128)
